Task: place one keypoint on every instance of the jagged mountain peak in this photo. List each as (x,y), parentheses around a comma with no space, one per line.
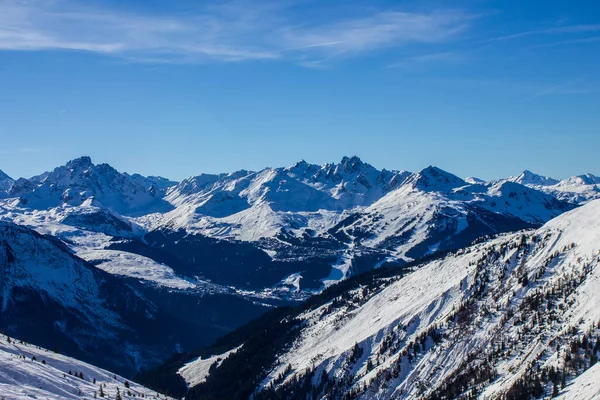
(347,171)
(352,163)
(301,163)
(76,171)
(80,179)
(331,171)
(4,177)
(434,178)
(6,182)
(20,187)
(80,163)
(531,178)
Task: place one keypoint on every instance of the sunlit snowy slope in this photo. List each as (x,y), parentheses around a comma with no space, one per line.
(31,372)
(513,316)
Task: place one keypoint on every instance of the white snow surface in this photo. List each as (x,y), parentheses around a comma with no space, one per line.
(584,387)
(135,266)
(196,371)
(48,376)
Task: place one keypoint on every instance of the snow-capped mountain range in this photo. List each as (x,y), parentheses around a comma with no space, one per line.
(349,212)
(80,180)
(512,317)
(576,189)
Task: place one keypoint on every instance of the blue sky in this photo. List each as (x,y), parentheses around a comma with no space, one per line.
(477,87)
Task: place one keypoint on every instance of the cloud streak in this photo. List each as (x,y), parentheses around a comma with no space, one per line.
(568,29)
(225,32)
(447,57)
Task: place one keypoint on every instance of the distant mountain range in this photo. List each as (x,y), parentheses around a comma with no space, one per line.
(214,251)
(342,217)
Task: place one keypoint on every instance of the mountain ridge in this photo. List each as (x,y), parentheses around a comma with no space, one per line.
(349,211)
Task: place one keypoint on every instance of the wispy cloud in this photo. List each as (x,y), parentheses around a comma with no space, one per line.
(523,90)
(586,40)
(573,29)
(225,31)
(383,30)
(429,58)
(576,86)
(554,89)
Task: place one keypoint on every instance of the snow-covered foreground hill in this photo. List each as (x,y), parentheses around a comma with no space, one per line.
(510,317)
(32,372)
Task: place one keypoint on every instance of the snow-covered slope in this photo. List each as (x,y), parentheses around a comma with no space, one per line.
(435,210)
(32,372)
(584,387)
(196,371)
(474,180)
(511,317)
